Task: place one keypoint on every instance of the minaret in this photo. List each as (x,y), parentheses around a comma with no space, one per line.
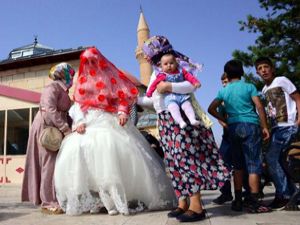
(143,33)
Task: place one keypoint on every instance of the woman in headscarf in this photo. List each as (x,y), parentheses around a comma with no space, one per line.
(190,153)
(106,161)
(38,186)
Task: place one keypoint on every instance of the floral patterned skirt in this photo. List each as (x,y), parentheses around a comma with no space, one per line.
(191,156)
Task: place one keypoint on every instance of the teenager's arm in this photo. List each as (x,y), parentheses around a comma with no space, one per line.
(212,109)
(262,116)
(296,97)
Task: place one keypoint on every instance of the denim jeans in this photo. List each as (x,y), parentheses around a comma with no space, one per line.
(245,142)
(225,151)
(280,140)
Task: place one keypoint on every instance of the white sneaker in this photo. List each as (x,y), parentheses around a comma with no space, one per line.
(113,212)
(95,210)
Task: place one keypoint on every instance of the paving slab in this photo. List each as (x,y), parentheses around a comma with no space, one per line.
(13,212)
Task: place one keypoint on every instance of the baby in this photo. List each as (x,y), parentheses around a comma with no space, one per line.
(171,72)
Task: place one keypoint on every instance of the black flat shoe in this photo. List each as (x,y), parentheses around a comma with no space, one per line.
(176,212)
(191,216)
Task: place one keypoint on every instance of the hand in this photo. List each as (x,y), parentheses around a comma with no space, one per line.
(81,128)
(147,59)
(266,134)
(67,132)
(298,123)
(197,85)
(123,118)
(223,124)
(164,87)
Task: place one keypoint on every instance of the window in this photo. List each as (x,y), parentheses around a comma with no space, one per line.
(17,131)
(15,55)
(28,52)
(34,112)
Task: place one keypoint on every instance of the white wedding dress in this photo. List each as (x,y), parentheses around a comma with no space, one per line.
(111,166)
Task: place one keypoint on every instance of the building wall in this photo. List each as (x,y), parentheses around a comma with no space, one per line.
(32,78)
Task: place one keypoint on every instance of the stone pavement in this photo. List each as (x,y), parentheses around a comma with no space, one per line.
(13,212)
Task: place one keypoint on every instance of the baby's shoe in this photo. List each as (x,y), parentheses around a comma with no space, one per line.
(182,124)
(195,122)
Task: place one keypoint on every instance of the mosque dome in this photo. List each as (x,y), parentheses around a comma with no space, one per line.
(30,50)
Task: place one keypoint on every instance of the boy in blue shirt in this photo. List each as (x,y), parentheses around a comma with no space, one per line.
(225,152)
(244,126)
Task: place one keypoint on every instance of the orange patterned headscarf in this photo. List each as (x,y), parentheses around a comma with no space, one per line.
(102,85)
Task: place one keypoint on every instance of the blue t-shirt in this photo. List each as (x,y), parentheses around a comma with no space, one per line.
(237,98)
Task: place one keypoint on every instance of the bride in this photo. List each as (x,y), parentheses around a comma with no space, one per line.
(106,161)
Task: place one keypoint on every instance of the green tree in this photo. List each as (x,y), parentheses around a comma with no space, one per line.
(278,38)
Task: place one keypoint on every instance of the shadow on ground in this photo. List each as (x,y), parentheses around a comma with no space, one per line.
(10,215)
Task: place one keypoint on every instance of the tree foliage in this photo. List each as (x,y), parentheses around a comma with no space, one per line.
(278,38)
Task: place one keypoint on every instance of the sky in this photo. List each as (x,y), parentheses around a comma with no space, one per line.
(205,30)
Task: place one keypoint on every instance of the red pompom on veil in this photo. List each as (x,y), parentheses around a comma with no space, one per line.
(102,85)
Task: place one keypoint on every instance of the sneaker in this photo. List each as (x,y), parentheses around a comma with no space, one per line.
(95,209)
(113,212)
(278,203)
(222,199)
(237,205)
